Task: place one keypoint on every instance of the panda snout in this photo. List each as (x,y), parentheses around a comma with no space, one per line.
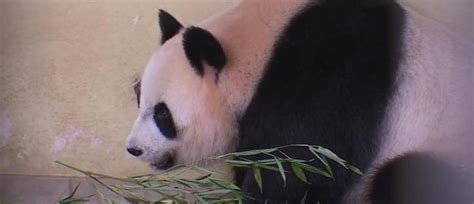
(134,151)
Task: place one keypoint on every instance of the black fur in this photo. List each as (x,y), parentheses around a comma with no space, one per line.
(201,46)
(328,83)
(169,25)
(420,179)
(164,121)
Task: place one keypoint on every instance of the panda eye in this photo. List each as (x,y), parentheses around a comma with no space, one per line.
(164,120)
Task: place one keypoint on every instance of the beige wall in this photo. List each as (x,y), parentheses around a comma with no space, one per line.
(65,72)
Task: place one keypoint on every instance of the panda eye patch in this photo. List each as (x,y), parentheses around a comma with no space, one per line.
(164,120)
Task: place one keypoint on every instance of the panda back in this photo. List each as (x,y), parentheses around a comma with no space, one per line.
(328,81)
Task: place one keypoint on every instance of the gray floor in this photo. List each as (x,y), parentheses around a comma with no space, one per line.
(44,189)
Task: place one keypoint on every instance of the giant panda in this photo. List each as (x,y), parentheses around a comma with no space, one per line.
(380,85)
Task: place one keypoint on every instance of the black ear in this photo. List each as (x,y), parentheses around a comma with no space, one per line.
(201,46)
(169,26)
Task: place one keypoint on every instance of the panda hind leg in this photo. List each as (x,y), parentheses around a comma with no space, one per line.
(418,178)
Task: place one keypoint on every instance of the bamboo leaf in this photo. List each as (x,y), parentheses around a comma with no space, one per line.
(71,199)
(204,177)
(281,170)
(323,160)
(255,152)
(258,176)
(214,192)
(355,169)
(171,189)
(299,172)
(196,182)
(315,170)
(75,200)
(225,184)
(207,171)
(263,166)
(239,163)
(199,199)
(109,201)
(183,182)
(170,198)
(73,192)
(229,200)
(329,154)
(140,179)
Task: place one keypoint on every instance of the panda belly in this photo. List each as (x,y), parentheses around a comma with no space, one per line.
(329,82)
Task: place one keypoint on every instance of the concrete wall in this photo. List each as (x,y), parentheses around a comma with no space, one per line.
(66,67)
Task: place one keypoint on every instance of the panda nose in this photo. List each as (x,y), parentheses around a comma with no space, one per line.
(134,152)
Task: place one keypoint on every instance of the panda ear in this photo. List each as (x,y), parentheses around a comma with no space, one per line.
(201,46)
(169,25)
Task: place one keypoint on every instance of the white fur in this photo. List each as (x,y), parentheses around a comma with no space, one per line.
(203,119)
(431,110)
(205,112)
(247,33)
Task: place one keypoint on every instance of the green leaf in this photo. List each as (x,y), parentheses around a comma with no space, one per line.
(203,177)
(71,199)
(267,161)
(323,160)
(170,197)
(214,192)
(315,170)
(196,182)
(239,163)
(130,187)
(140,178)
(184,182)
(75,200)
(258,176)
(170,189)
(263,166)
(102,196)
(329,154)
(200,199)
(73,192)
(229,200)
(355,169)
(207,171)
(225,184)
(255,152)
(299,172)
(282,171)
(109,201)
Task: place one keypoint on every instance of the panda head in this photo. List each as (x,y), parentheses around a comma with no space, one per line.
(183,114)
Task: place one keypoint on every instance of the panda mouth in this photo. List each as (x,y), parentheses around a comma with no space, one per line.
(163,164)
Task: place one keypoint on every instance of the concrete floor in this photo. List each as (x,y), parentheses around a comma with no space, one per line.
(15,189)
